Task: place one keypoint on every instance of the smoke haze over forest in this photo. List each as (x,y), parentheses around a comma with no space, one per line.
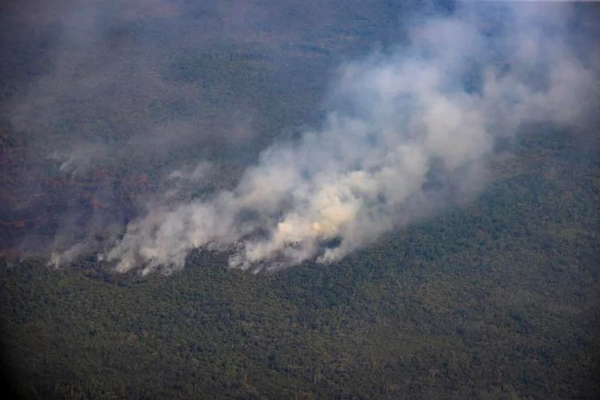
(274,160)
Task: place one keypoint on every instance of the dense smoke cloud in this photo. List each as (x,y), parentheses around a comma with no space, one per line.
(407,133)
(151,128)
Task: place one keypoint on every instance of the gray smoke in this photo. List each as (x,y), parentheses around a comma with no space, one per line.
(407,133)
(98,96)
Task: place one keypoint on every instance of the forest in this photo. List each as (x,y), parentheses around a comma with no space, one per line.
(494,298)
(497,300)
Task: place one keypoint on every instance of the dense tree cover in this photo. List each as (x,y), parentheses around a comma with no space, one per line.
(496,300)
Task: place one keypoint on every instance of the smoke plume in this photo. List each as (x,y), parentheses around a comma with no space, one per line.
(142,130)
(407,132)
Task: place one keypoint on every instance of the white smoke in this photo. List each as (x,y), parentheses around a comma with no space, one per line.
(407,133)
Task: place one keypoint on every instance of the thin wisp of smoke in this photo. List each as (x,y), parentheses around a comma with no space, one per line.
(406,134)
